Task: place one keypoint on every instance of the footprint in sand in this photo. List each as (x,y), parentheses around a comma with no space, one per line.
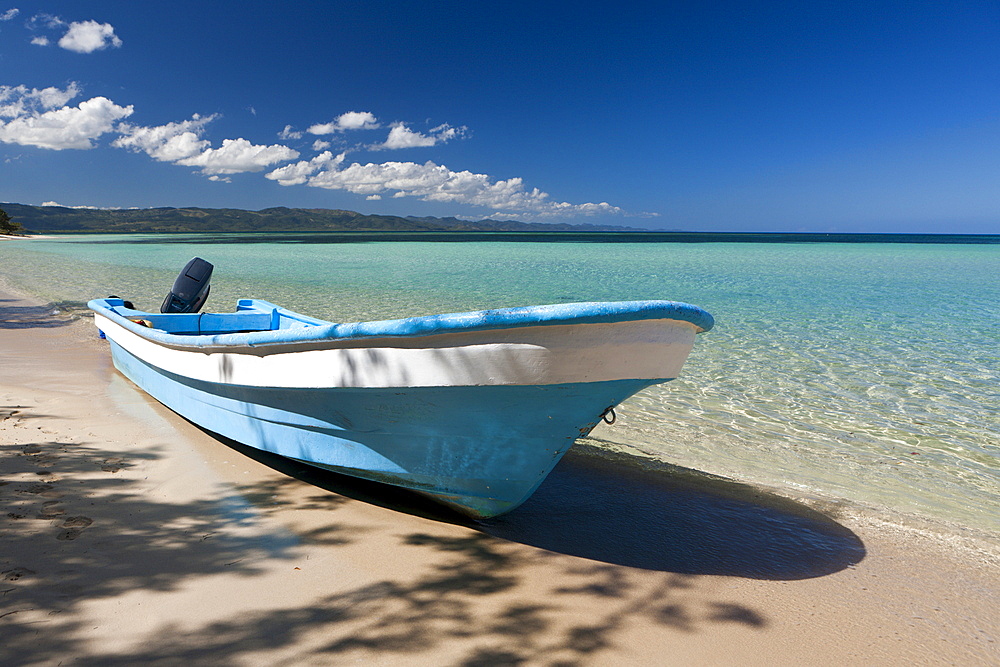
(31,449)
(77,522)
(16,573)
(39,489)
(113,464)
(74,526)
(45,460)
(50,510)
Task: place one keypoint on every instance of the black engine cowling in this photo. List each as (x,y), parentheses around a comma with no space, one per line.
(190,290)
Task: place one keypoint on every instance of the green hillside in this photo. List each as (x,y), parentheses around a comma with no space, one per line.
(49,219)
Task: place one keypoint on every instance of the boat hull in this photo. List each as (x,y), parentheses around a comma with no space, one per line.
(474,418)
(482,450)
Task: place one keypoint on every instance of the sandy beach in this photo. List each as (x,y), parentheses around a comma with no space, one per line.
(130,536)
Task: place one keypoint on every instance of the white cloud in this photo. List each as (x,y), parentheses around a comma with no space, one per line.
(400,136)
(299,172)
(40,41)
(62,128)
(42,118)
(9,14)
(352,120)
(168,143)
(320,145)
(237,156)
(182,143)
(20,100)
(444,132)
(82,206)
(289,133)
(89,36)
(357,120)
(40,21)
(432,182)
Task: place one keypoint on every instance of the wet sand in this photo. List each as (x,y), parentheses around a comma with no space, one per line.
(128,535)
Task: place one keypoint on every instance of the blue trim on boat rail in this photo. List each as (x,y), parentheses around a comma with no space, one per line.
(306,329)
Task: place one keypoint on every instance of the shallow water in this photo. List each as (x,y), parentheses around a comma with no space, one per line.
(868,372)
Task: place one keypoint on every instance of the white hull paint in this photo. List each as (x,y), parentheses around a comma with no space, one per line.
(525,356)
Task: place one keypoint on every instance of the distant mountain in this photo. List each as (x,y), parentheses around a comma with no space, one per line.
(281,219)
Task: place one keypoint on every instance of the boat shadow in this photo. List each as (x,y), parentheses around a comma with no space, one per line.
(636,512)
(640,512)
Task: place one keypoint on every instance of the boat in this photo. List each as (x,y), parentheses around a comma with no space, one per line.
(472,409)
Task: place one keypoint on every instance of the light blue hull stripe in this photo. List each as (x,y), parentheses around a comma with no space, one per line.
(480,449)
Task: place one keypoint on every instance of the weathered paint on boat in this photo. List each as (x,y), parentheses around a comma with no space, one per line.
(473,409)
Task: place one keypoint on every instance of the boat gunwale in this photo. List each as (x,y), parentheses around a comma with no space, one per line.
(314,330)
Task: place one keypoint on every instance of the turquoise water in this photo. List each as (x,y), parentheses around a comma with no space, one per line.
(867,372)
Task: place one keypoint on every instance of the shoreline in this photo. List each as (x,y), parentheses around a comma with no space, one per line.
(129,535)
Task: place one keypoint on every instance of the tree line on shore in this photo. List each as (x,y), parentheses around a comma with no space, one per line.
(7,225)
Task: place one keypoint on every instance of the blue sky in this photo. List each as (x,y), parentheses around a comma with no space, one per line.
(755,116)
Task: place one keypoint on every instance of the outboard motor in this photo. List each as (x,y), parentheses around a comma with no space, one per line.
(190,290)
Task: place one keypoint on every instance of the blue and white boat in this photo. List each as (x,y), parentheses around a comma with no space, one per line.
(473,409)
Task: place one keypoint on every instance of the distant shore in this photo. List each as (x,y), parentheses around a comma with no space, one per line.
(534,236)
(283,222)
(129,535)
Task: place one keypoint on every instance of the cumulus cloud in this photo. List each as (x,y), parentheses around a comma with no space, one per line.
(41,118)
(352,120)
(182,144)
(44,119)
(400,136)
(9,14)
(168,143)
(89,36)
(431,182)
(237,156)
(20,100)
(299,172)
(41,40)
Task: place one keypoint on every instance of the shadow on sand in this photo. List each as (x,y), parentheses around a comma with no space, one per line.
(623,510)
(77,530)
(37,317)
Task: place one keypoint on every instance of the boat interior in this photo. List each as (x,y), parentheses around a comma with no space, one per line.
(251,315)
(180,314)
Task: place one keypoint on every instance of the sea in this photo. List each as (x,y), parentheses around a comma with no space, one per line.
(860,371)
